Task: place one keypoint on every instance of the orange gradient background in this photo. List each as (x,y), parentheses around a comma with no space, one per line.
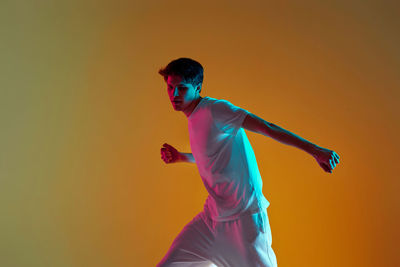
(84,114)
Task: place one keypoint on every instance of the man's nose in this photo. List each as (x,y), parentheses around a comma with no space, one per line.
(176,92)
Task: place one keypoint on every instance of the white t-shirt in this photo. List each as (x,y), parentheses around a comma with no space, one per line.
(225,160)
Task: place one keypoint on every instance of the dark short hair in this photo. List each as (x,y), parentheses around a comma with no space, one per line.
(190,70)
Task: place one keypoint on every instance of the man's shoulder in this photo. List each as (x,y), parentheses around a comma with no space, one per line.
(218,105)
(213,100)
(209,99)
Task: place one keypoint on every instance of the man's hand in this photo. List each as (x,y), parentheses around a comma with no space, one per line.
(169,154)
(326,158)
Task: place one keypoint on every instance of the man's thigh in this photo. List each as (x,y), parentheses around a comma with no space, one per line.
(191,247)
(244,242)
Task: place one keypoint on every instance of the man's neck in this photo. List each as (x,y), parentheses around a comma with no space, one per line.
(192,106)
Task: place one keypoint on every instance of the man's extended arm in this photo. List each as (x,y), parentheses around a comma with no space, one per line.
(258,125)
(326,158)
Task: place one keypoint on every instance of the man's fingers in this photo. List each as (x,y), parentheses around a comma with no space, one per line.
(325,167)
(166,160)
(332,163)
(336,157)
(166,156)
(165,151)
(328,169)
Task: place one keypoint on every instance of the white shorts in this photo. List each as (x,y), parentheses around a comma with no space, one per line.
(244,242)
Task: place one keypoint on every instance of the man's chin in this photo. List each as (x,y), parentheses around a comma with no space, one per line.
(177,108)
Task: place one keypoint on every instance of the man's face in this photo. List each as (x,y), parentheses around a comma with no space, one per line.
(181,94)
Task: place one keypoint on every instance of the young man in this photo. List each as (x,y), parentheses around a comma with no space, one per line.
(233,229)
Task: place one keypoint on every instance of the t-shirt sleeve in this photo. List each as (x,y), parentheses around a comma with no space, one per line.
(228,117)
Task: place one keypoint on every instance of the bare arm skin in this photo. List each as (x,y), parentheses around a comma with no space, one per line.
(326,158)
(170,155)
(187,157)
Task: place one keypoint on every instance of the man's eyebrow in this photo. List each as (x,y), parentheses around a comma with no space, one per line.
(179,85)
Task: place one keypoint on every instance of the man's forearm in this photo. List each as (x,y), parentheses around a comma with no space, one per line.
(258,125)
(288,138)
(187,157)
(326,158)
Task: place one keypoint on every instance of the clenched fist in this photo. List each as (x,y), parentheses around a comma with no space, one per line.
(326,158)
(169,154)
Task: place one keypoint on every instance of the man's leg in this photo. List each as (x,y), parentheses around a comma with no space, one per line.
(245,242)
(191,247)
(263,248)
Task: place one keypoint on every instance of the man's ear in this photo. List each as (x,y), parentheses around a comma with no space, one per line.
(198,87)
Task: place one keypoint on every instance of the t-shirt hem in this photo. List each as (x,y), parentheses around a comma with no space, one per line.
(261,208)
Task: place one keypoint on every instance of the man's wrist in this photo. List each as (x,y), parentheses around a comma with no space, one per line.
(186,157)
(312,149)
(182,157)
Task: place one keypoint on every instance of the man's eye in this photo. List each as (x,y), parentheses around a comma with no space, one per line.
(180,87)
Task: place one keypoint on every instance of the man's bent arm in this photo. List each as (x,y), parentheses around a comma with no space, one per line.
(258,125)
(187,157)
